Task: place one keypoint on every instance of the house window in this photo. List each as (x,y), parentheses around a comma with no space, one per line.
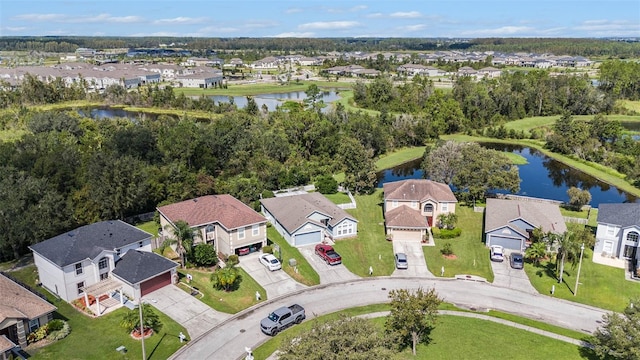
(210,230)
(611,230)
(428,208)
(629,251)
(255,230)
(78,268)
(103,263)
(241,233)
(607,247)
(34,325)
(80,286)
(632,236)
(445,207)
(344,229)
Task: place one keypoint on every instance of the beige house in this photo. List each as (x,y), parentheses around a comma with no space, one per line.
(21,313)
(412,206)
(222,221)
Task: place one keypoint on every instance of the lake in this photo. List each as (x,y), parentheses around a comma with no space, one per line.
(276,99)
(542,177)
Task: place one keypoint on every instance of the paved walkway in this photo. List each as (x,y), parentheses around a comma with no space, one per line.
(197,317)
(275,283)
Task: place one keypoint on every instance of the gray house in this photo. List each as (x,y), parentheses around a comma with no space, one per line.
(308,219)
(509,222)
(618,232)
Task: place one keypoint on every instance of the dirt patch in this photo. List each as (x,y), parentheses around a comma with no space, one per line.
(450,257)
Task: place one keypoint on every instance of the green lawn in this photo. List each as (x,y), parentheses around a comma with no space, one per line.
(338,198)
(530,123)
(370,248)
(631,105)
(97,338)
(600,285)
(449,341)
(230,302)
(472,257)
(306,274)
(400,157)
(516,159)
(149,226)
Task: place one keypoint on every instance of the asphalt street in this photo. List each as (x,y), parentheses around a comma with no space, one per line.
(229,339)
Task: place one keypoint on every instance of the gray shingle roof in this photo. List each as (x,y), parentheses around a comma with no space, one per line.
(293,211)
(87,242)
(501,212)
(136,266)
(619,214)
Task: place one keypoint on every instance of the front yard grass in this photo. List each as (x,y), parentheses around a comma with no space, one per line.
(600,285)
(306,274)
(98,338)
(338,198)
(370,248)
(472,256)
(229,302)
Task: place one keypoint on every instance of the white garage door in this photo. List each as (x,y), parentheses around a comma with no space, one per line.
(307,238)
(407,235)
(505,242)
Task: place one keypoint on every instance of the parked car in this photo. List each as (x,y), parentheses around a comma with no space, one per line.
(327,254)
(401,261)
(497,253)
(282,318)
(270,262)
(517,260)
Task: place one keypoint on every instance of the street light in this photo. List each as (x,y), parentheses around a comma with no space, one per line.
(144,356)
(575,293)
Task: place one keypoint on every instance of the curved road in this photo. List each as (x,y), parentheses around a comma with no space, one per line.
(229,339)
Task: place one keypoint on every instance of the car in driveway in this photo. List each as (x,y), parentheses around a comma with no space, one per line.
(401,261)
(270,261)
(497,253)
(326,253)
(516,260)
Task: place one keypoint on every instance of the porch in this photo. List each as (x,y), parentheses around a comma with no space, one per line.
(104,296)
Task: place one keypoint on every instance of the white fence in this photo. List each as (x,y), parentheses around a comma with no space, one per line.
(351,205)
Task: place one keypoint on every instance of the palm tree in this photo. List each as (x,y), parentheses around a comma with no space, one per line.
(131,319)
(568,245)
(536,251)
(184,236)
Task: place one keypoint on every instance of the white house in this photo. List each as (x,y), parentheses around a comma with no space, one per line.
(308,219)
(617,235)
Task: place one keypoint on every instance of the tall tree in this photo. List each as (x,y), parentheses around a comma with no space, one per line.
(619,335)
(568,245)
(413,316)
(344,338)
(358,165)
(184,235)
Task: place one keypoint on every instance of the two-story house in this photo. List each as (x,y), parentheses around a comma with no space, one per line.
(617,235)
(308,219)
(222,221)
(99,260)
(412,206)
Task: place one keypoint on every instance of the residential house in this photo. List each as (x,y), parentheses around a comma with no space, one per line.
(222,221)
(412,206)
(93,262)
(21,313)
(617,234)
(202,80)
(489,72)
(509,223)
(308,219)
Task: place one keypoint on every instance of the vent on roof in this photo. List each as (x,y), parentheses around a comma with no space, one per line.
(413,187)
(195,200)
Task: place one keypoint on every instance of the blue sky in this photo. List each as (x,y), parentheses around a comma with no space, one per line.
(328,18)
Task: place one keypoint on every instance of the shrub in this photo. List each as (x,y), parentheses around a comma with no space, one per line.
(55,325)
(205,255)
(267,249)
(38,335)
(447,249)
(326,184)
(232,260)
(446,233)
(62,333)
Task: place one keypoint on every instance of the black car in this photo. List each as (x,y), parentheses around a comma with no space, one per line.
(517,261)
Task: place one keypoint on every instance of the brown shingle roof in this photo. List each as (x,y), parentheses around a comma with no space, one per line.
(293,211)
(5,344)
(419,190)
(405,217)
(16,302)
(223,209)
(501,212)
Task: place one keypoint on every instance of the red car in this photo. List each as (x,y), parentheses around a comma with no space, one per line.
(327,254)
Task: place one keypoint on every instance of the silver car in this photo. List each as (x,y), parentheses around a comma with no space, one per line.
(401,261)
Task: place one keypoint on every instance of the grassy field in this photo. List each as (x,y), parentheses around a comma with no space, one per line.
(631,105)
(229,302)
(530,123)
(400,156)
(370,248)
(97,338)
(338,198)
(149,226)
(477,341)
(306,274)
(600,285)
(472,257)
(516,159)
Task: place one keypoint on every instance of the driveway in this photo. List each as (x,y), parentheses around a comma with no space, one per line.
(415,259)
(328,273)
(508,277)
(276,283)
(196,316)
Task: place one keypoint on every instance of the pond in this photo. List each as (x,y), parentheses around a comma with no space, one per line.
(276,99)
(109,112)
(542,177)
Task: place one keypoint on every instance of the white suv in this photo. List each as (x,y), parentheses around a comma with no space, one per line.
(497,253)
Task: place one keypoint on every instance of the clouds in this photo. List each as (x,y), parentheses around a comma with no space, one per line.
(406,15)
(180,20)
(68,19)
(329,25)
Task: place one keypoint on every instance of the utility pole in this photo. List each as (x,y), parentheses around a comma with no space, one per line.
(575,292)
(144,356)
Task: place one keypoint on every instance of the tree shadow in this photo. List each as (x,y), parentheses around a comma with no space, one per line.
(549,270)
(157,345)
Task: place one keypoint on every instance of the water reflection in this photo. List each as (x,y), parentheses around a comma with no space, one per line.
(542,177)
(274,100)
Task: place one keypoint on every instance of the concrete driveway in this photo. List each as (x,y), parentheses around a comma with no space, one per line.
(415,259)
(276,283)
(196,316)
(508,277)
(328,273)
